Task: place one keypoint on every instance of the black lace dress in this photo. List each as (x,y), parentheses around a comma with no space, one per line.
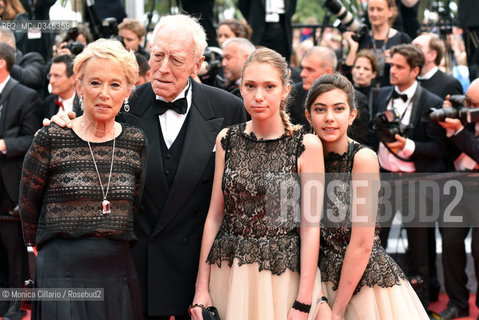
(78,246)
(383,291)
(255,255)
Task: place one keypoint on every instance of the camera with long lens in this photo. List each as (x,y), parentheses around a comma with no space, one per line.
(445,20)
(458,111)
(347,19)
(388,124)
(211,65)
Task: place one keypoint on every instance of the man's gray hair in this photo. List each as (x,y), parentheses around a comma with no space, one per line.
(184,23)
(243,44)
(327,55)
(6,35)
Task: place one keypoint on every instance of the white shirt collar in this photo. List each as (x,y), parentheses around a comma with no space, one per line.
(429,74)
(409,91)
(4,83)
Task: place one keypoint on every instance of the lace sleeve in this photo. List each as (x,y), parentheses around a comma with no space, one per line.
(300,148)
(33,182)
(141,176)
(225,140)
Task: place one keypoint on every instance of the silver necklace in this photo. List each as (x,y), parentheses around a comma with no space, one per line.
(105,204)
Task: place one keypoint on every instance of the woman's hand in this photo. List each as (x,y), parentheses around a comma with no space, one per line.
(297,315)
(201,299)
(337,316)
(324,312)
(62,120)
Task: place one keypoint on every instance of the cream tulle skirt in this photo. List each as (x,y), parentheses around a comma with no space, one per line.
(245,293)
(395,303)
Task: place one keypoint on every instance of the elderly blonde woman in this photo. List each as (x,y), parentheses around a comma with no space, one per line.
(80,190)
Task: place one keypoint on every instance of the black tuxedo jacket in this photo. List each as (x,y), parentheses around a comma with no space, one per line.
(442,84)
(465,141)
(429,138)
(255,11)
(29,70)
(170,222)
(50,108)
(20,118)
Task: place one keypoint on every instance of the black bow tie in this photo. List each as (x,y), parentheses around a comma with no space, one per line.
(402,96)
(179,106)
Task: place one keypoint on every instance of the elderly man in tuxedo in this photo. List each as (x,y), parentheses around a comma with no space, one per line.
(181,119)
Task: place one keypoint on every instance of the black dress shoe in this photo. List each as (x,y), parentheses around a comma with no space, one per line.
(4,307)
(453,312)
(14,312)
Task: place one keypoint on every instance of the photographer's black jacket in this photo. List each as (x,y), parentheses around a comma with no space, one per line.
(467,142)
(429,138)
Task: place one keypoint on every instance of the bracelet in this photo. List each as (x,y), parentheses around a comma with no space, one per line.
(323,299)
(196,305)
(301,306)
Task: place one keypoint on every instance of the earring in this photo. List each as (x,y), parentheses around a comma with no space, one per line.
(81,103)
(126,106)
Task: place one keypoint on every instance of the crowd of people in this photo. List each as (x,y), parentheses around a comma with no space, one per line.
(268,193)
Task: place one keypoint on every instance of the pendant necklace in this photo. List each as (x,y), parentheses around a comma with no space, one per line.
(105,204)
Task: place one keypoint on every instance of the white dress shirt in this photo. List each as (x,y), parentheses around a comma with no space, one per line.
(429,74)
(387,160)
(67,104)
(171,121)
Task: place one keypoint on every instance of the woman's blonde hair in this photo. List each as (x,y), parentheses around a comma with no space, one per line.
(274,59)
(112,50)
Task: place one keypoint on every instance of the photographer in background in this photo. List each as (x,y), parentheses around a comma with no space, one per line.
(29,68)
(441,84)
(454,258)
(405,144)
(469,21)
(133,34)
(235,52)
(382,37)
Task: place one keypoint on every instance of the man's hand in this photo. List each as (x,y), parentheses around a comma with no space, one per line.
(399,144)
(454,124)
(348,36)
(61,120)
(446,103)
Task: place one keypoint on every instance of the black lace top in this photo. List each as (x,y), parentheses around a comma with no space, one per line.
(256,227)
(381,270)
(60,194)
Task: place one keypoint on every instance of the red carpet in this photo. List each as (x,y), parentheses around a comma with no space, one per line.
(437,306)
(440,305)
